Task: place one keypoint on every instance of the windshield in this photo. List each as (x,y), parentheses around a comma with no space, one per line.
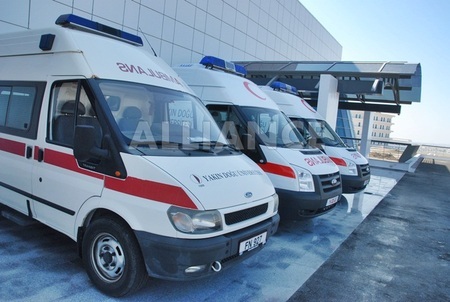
(159,121)
(318,132)
(273,127)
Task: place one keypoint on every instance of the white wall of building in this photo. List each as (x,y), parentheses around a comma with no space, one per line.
(183,31)
(381,125)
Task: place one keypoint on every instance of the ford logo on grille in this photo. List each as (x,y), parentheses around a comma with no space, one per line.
(248,194)
(334,181)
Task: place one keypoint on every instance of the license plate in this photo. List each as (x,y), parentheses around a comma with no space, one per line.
(254,242)
(332,200)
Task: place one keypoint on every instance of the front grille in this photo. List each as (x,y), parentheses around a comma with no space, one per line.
(235,217)
(327,181)
(364,169)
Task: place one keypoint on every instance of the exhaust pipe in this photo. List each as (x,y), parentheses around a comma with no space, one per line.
(216,266)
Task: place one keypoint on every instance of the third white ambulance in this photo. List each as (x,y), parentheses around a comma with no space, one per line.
(354,168)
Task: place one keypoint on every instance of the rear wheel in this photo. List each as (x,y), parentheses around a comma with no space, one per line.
(112,257)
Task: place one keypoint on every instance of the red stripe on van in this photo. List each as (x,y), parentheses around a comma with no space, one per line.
(151,190)
(12,147)
(36,152)
(338,161)
(66,161)
(133,186)
(281,170)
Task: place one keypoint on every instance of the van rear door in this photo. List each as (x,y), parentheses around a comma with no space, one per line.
(20,104)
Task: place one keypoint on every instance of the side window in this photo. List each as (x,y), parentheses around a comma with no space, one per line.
(236,131)
(19,108)
(70,106)
(5,93)
(229,123)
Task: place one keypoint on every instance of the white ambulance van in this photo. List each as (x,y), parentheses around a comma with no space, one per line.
(102,141)
(306,180)
(354,168)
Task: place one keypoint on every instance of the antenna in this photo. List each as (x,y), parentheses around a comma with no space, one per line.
(145,37)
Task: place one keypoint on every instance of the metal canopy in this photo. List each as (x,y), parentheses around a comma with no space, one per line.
(367,86)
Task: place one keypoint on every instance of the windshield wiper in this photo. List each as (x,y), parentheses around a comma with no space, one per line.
(155,144)
(214,146)
(290,144)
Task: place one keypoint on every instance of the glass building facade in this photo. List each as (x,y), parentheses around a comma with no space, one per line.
(183,31)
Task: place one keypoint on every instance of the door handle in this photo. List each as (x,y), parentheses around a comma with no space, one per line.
(40,155)
(29,152)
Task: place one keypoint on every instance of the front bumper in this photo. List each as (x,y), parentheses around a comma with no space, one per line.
(354,184)
(297,205)
(168,258)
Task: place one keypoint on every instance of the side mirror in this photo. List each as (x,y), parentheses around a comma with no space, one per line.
(84,144)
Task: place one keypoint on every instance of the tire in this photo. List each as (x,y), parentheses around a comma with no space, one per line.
(112,257)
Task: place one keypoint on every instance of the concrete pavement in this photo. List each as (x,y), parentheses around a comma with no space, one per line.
(379,245)
(400,252)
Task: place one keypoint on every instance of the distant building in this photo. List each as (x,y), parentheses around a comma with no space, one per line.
(381,124)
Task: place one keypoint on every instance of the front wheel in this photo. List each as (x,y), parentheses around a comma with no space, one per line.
(112,257)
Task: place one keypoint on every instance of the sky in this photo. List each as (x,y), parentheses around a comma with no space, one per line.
(415,31)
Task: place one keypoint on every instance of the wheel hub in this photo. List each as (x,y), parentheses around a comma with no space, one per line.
(108,257)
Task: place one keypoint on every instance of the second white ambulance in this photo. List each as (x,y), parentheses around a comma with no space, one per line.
(306,180)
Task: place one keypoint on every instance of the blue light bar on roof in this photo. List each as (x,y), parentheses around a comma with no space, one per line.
(70,19)
(284,87)
(213,62)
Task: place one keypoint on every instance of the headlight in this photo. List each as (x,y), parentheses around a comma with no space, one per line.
(276,202)
(194,221)
(305,180)
(351,166)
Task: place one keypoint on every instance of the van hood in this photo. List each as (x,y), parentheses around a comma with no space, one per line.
(313,160)
(347,153)
(217,182)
